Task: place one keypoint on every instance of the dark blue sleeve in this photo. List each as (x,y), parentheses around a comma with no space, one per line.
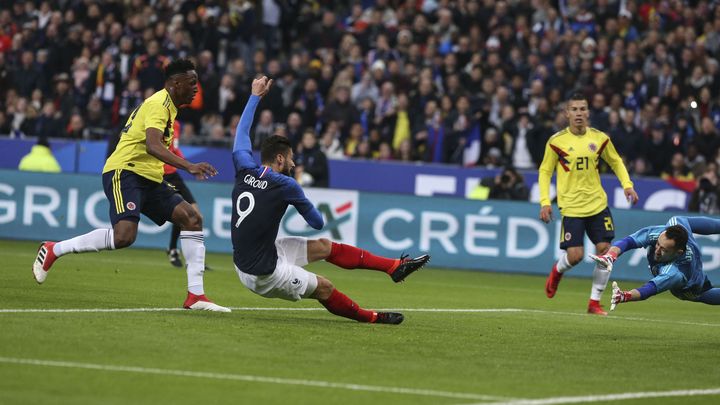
(647,290)
(625,244)
(242,148)
(296,197)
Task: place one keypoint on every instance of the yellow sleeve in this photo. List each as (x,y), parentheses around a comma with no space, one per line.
(547,167)
(156,116)
(612,158)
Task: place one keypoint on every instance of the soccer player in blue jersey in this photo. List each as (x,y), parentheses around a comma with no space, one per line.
(674,258)
(272,267)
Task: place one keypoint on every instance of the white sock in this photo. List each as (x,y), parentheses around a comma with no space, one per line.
(600,280)
(93,241)
(563,264)
(193,248)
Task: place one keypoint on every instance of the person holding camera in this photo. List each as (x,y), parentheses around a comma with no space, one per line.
(509,185)
(706,197)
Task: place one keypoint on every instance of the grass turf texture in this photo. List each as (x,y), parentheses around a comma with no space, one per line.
(557,351)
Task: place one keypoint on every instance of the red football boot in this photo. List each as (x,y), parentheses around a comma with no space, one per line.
(43,261)
(552,282)
(595,308)
(201,302)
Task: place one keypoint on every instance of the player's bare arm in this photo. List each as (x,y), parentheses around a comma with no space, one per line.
(156,148)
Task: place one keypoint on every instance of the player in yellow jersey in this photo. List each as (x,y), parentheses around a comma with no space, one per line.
(133,182)
(575,153)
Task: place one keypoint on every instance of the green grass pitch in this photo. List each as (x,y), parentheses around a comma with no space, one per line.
(523,347)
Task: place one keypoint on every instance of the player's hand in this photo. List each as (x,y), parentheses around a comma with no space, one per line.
(605,261)
(261,86)
(202,170)
(546,214)
(618,296)
(631,196)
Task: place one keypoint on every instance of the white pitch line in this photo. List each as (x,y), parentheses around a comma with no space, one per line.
(611,397)
(623,318)
(254,378)
(293,309)
(303,309)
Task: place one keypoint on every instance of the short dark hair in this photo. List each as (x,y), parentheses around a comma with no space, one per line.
(577,96)
(678,234)
(272,146)
(178,66)
(43,141)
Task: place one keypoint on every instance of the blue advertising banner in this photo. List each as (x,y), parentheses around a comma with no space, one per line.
(475,235)
(496,235)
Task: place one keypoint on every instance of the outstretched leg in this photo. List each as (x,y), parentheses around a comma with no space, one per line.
(340,304)
(710,297)
(120,236)
(351,257)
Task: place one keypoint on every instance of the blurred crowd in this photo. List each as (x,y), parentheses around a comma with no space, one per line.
(462,82)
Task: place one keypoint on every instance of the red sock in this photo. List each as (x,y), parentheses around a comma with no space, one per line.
(341,305)
(350,257)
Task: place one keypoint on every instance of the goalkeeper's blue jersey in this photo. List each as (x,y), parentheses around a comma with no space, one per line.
(684,277)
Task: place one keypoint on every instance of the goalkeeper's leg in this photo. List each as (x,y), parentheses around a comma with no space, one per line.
(710,297)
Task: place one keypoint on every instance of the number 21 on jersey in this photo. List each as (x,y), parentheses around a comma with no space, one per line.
(582,163)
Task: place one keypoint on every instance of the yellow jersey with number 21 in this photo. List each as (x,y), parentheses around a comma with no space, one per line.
(575,158)
(157,111)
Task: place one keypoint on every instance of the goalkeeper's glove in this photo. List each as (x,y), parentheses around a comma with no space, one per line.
(618,296)
(606,261)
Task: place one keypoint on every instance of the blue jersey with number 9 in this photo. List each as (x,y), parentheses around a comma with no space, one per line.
(260,198)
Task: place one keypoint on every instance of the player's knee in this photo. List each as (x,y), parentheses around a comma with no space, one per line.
(195,220)
(188,220)
(326,246)
(574,257)
(123,239)
(197,212)
(324,289)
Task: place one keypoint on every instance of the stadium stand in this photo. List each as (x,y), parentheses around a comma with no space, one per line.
(418,80)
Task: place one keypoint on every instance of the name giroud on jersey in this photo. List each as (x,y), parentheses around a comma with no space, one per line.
(253,182)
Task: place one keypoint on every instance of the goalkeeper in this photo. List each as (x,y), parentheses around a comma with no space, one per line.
(674,258)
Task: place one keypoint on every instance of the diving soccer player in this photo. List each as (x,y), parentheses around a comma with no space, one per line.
(674,258)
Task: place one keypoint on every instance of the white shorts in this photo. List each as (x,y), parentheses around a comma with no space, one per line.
(289,280)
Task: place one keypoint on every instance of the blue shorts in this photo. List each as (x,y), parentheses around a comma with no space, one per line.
(599,228)
(130,194)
